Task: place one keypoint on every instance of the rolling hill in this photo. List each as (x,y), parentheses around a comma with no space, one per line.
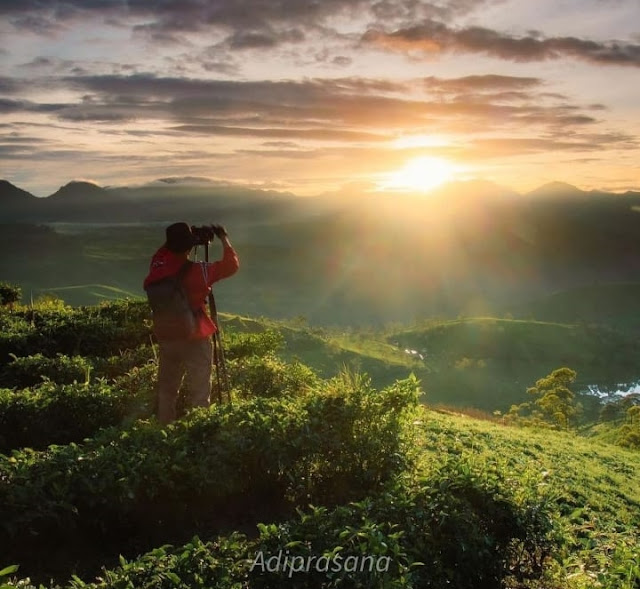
(484,363)
(101,496)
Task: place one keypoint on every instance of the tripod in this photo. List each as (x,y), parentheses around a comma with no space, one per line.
(222,376)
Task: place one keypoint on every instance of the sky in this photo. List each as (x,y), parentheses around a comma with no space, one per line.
(315,96)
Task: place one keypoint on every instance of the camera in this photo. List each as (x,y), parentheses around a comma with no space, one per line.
(204,234)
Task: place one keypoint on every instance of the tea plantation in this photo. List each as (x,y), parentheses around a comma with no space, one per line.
(301,481)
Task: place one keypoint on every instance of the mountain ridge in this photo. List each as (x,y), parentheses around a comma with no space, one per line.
(549,188)
(198,200)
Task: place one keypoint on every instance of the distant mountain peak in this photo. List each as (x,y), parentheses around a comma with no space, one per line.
(81,184)
(80,189)
(12,192)
(557,189)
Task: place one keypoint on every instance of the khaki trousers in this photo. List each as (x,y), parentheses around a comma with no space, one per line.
(177,359)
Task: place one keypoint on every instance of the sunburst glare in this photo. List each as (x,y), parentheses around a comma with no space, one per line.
(420,174)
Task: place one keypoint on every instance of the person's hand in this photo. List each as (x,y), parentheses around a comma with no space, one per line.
(220,231)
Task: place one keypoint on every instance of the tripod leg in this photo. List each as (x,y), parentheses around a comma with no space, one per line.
(223,367)
(216,361)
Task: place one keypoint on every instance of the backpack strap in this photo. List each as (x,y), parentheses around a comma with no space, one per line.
(183,272)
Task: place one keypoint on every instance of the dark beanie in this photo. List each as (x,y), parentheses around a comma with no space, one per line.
(179,238)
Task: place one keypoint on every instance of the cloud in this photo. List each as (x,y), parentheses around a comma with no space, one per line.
(252,23)
(316,134)
(344,125)
(13,106)
(319,106)
(265,39)
(432,36)
(485,82)
(9,85)
(339,109)
(175,15)
(409,11)
(509,146)
(36,24)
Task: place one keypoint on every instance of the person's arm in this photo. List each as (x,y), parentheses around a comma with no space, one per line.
(229,263)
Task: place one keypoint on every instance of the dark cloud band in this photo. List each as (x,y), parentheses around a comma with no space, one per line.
(432,37)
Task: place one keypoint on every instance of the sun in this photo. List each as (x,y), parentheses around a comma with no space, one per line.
(420,174)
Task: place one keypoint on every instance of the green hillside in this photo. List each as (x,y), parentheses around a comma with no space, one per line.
(489,362)
(481,362)
(592,488)
(95,493)
(616,305)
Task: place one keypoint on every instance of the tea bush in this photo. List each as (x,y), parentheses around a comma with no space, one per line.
(9,293)
(56,329)
(258,454)
(458,526)
(59,414)
(120,364)
(357,440)
(243,345)
(28,371)
(269,376)
(55,414)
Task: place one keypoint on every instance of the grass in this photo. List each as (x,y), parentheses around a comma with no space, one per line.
(482,362)
(594,488)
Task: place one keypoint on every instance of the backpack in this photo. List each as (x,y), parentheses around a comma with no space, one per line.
(173,317)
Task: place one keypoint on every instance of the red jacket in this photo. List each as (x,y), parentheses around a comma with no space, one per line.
(197,281)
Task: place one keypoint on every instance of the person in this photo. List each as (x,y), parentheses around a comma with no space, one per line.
(191,355)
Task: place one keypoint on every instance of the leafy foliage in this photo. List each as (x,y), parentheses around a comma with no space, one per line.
(629,433)
(121,483)
(555,403)
(120,364)
(9,293)
(369,473)
(434,533)
(244,345)
(269,376)
(59,414)
(32,370)
(103,331)
(458,527)
(589,489)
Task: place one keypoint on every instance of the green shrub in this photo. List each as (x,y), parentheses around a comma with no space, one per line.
(102,331)
(358,437)
(269,376)
(123,312)
(28,371)
(455,528)
(263,454)
(244,345)
(458,527)
(9,293)
(14,334)
(116,366)
(59,414)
